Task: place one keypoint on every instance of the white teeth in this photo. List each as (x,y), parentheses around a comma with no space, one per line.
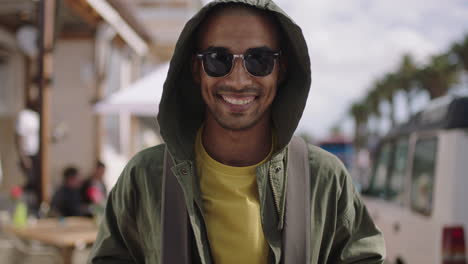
(236,101)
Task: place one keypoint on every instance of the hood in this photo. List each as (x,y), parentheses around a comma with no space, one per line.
(182,110)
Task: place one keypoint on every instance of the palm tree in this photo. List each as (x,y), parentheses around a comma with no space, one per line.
(438,76)
(460,50)
(406,77)
(360,114)
(387,88)
(373,101)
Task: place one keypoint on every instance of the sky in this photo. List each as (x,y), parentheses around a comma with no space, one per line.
(353,42)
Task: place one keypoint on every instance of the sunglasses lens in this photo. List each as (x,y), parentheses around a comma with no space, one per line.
(259,64)
(217,64)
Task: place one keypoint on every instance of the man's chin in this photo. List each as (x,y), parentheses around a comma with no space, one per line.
(238,125)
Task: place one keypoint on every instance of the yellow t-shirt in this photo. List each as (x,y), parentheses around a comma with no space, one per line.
(231,210)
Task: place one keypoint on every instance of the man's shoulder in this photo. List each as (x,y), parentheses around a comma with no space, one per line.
(321,158)
(86,182)
(148,157)
(144,169)
(146,163)
(60,191)
(329,177)
(325,164)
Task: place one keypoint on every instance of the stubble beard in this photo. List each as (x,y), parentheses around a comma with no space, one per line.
(229,121)
(240,127)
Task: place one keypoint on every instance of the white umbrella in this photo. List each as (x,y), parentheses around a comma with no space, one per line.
(140,98)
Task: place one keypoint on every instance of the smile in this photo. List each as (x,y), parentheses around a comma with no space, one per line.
(245,100)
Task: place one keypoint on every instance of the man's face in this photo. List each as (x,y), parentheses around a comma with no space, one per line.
(100,172)
(238,100)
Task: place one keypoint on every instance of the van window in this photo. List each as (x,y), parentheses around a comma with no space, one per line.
(399,164)
(423,175)
(381,170)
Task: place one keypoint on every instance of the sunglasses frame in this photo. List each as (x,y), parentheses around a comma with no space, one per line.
(201,55)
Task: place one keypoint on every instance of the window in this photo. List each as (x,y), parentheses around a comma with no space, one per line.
(381,171)
(397,177)
(422,185)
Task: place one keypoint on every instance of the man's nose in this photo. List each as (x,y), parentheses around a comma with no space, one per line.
(239,77)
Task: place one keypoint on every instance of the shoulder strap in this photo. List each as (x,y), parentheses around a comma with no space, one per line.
(296,233)
(174,218)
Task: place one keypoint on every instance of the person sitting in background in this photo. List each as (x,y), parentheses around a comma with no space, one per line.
(93,190)
(66,200)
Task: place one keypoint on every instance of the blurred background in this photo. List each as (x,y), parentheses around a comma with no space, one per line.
(80,82)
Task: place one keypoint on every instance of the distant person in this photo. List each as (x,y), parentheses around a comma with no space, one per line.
(66,200)
(93,190)
(27,146)
(363,167)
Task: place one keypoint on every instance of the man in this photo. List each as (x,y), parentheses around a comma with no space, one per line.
(27,146)
(93,189)
(66,200)
(233,97)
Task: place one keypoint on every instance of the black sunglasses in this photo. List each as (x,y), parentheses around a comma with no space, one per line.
(258,62)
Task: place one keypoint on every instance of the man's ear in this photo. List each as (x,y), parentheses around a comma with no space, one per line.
(196,69)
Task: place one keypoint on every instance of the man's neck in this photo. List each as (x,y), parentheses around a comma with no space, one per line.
(237,148)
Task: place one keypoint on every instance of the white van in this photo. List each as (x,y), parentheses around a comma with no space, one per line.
(418,192)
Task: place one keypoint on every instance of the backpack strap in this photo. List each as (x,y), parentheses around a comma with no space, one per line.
(296,233)
(175,234)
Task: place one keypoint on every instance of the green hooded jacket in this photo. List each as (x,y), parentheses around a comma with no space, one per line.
(341,228)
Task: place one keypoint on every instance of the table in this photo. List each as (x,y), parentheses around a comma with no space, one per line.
(66,234)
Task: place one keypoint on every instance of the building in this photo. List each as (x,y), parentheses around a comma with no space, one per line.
(97,47)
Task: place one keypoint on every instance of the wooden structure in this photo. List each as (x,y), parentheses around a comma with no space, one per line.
(166,19)
(65,234)
(66,19)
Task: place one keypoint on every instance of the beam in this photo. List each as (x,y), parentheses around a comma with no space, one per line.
(111,16)
(46,44)
(162,4)
(85,12)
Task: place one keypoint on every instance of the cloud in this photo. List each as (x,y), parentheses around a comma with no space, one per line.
(351,43)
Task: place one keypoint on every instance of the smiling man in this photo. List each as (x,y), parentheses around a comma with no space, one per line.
(231,184)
